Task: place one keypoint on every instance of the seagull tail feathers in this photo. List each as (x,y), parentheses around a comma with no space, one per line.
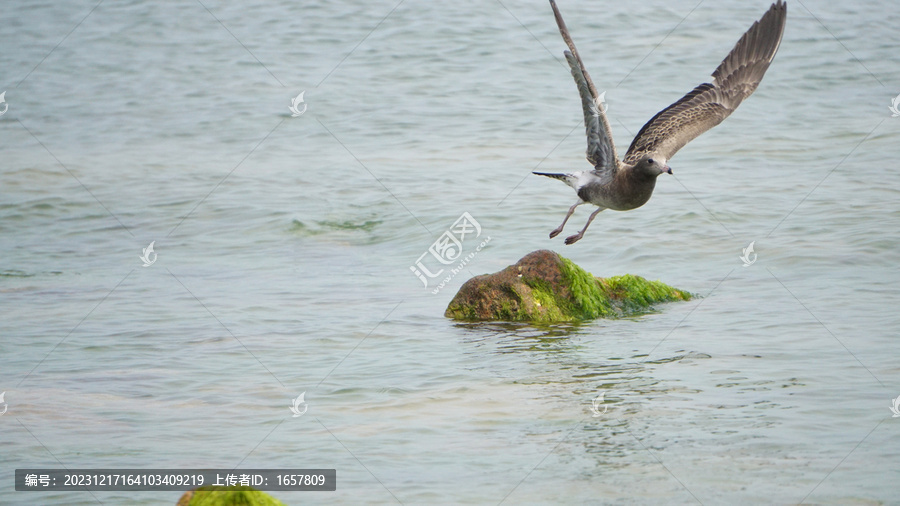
(554,175)
(569,179)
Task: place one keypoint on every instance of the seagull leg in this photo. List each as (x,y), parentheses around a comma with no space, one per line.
(574,238)
(563,224)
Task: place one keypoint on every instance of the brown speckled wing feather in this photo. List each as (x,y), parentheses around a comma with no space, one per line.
(601,151)
(709,104)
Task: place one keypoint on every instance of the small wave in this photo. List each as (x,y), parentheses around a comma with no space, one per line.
(15,274)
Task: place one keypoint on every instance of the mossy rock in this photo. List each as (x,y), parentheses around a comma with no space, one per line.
(545,287)
(227,496)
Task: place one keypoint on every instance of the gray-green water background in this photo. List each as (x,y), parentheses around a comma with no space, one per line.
(284,246)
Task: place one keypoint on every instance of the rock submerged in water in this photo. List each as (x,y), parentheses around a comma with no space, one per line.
(545,287)
(227,496)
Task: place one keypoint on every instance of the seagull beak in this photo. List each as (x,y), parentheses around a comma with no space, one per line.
(667,169)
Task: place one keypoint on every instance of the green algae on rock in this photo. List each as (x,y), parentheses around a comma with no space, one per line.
(545,287)
(227,496)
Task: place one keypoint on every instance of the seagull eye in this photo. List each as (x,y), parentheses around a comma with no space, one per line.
(650,160)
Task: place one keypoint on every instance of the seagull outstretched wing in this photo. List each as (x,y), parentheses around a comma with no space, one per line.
(709,104)
(601,151)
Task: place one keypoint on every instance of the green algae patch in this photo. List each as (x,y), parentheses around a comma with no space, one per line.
(588,296)
(635,294)
(228,496)
(350,225)
(545,287)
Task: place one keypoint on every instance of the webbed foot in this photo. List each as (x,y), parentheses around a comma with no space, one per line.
(572,239)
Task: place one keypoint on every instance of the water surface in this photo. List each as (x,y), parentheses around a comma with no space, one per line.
(284,246)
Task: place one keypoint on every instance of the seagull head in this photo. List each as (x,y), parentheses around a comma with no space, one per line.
(652,166)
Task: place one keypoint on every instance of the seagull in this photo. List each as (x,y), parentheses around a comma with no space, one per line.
(626,184)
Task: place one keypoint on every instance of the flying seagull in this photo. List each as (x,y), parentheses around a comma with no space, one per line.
(628,184)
